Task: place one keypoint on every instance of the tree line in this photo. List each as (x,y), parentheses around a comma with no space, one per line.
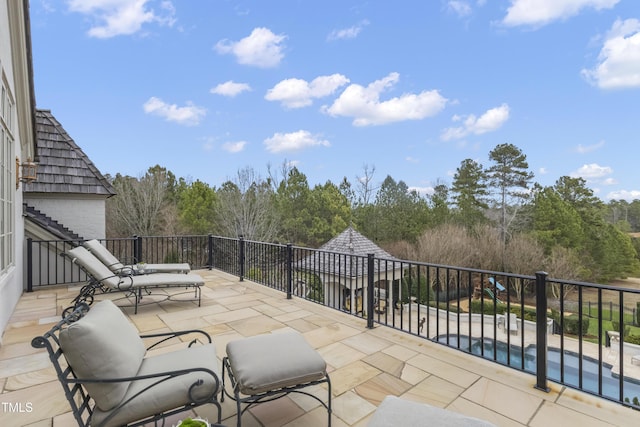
(495,217)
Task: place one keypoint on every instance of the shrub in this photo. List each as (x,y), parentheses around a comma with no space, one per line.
(616,327)
(633,339)
(571,323)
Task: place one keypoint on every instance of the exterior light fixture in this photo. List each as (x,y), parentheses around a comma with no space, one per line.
(26,171)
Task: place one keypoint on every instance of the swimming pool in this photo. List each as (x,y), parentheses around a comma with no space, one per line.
(527,362)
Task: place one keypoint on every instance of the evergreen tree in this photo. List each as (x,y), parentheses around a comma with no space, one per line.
(470,193)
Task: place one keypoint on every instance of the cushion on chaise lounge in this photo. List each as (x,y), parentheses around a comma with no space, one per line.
(110,261)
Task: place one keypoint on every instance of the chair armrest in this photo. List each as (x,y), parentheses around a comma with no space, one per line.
(166,336)
(161,378)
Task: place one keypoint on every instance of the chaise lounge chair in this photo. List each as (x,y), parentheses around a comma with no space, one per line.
(134,286)
(110,378)
(114,264)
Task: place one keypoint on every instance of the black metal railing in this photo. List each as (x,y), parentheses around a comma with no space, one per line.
(578,334)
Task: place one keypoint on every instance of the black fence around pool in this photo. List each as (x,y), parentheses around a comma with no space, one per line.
(582,335)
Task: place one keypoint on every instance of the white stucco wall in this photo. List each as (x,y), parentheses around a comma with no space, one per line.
(83,215)
(10,280)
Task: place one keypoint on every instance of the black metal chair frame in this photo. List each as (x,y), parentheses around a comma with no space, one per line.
(270,395)
(79,399)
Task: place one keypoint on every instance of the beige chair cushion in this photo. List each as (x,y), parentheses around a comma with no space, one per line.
(272,361)
(104,255)
(169,394)
(103,344)
(94,266)
(394,412)
(114,264)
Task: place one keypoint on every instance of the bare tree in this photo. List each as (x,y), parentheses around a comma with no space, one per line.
(136,208)
(275,177)
(365,188)
(245,207)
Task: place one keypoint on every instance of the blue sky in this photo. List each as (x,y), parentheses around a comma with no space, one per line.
(412,88)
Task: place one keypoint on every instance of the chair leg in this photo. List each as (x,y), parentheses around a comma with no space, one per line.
(329,401)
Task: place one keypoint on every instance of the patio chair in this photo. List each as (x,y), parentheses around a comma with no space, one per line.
(114,264)
(270,366)
(110,378)
(133,286)
(394,411)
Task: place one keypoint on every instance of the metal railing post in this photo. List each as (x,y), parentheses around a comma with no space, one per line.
(541,331)
(241,258)
(289,270)
(29,265)
(210,250)
(370,296)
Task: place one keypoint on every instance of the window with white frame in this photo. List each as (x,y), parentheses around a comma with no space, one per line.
(7,177)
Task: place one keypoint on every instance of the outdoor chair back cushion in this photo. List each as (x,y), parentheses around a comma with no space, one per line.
(94,266)
(103,345)
(104,255)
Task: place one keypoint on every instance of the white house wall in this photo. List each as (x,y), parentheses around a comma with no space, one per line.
(13,56)
(84,216)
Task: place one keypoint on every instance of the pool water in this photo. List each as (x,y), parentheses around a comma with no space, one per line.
(513,357)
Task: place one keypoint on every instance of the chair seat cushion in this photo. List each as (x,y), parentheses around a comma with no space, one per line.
(157,280)
(394,411)
(273,361)
(172,393)
(103,345)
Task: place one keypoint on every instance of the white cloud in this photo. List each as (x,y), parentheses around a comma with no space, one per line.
(537,13)
(628,195)
(297,93)
(230,88)
(460,8)
(122,17)
(543,171)
(412,159)
(189,115)
(618,64)
(347,33)
(583,149)
(261,48)
(234,147)
(489,121)
(364,105)
(293,141)
(592,171)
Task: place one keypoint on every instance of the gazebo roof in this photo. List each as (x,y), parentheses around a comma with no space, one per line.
(346,255)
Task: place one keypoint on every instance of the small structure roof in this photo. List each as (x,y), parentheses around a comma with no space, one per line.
(63,167)
(353,242)
(346,255)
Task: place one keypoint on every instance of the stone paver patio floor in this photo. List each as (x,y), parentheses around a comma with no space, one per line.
(365,365)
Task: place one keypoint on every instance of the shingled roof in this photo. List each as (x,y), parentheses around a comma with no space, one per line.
(349,242)
(63,167)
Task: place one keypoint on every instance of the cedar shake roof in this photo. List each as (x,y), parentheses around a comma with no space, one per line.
(63,167)
(350,241)
(346,255)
